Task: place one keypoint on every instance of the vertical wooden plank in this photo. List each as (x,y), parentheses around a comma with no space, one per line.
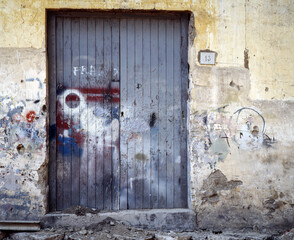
(91,115)
(184,98)
(177,114)
(107,110)
(52,111)
(68,139)
(59,110)
(170,112)
(75,38)
(115,112)
(130,104)
(138,115)
(162,114)
(84,112)
(146,85)
(154,113)
(123,115)
(98,106)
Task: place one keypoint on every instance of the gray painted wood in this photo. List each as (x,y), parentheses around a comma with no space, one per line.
(162,113)
(146,86)
(67,83)
(138,114)
(107,177)
(52,112)
(76,84)
(123,116)
(59,109)
(131,79)
(170,114)
(130,108)
(115,113)
(177,115)
(154,128)
(83,112)
(91,125)
(184,99)
(99,140)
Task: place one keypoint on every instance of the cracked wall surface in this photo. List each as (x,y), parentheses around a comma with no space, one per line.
(240,110)
(22,133)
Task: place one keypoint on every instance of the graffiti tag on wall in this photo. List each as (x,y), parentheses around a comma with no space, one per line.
(217,131)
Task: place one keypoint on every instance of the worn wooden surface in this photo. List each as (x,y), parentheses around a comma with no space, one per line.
(119,88)
(52,113)
(153,107)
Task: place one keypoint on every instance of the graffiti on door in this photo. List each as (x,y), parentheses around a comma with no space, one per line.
(85,115)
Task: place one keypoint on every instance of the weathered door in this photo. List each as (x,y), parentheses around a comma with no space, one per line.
(118,93)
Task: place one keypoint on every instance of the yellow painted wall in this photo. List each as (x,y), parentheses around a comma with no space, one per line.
(228,27)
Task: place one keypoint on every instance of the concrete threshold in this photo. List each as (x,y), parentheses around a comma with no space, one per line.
(156,219)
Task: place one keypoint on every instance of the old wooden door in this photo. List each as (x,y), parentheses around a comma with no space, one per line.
(118,93)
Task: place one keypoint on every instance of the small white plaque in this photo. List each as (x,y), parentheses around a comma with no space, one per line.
(207,58)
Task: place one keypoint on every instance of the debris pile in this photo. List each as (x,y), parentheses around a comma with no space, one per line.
(112,229)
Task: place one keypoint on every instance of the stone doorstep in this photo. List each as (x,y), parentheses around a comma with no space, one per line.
(155,219)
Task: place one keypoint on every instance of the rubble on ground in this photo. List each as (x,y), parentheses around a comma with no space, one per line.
(116,230)
(2,235)
(289,235)
(80,210)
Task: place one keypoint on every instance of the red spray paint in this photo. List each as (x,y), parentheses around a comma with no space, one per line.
(31,115)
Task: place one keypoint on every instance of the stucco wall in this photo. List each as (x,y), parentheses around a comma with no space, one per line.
(241,110)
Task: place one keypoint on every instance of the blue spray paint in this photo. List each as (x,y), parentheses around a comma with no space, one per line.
(68,146)
(35,79)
